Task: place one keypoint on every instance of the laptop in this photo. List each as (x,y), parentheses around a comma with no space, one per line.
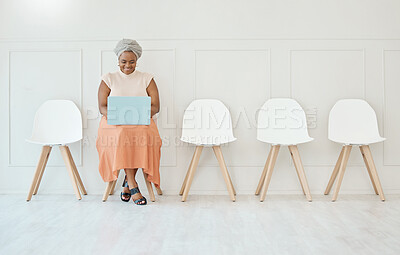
(128,110)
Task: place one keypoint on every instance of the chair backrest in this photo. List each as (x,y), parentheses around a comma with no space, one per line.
(207,122)
(353,121)
(282,121)
(57,122)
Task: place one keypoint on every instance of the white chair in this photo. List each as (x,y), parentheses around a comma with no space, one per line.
(111,188)
(207,122)
(282,121)
(57,123)
(353,122)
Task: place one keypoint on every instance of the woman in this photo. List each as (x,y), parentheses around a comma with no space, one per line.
(128,147)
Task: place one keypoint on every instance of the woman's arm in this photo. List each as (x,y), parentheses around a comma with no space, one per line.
(104,92)
(152,91)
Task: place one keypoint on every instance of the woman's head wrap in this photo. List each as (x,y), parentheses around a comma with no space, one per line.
(128,45)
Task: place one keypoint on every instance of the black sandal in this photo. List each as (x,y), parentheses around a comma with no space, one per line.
(125,184)
(138,201)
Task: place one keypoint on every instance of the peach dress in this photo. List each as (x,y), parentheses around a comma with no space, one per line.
(128,146)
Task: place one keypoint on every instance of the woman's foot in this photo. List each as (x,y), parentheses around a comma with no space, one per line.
(134,191)
(137,198)
(126,194)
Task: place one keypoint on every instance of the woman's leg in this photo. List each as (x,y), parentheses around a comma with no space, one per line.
(130,175)
(126,190)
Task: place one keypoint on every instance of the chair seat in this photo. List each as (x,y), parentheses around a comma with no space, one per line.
(41,142)
(288,141)
(360,141)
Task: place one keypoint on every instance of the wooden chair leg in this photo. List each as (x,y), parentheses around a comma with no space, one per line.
(230,181)
(42,170)
(76,173)
(270,168)
(186,177)
(297,171)
(369,170)
(64,153)
(114,184)
(368,156)
(39,168)
(191,171)
(294,152)
(224,170)
(264,173)
(342,168)
(159,191)
(108,189)
(149,188)
(229,177)
(112,190)
(334,173)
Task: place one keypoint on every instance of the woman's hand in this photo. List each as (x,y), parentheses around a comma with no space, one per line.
(152,91)
(104,92)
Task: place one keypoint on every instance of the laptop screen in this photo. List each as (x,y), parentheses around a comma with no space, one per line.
(128,110)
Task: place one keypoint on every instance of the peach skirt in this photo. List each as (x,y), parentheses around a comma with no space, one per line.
(129,146)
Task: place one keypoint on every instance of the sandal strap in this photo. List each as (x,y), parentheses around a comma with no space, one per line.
(139,200)
(135,191)
(127,195)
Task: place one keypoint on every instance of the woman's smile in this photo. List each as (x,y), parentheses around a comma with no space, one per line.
(127,62)
(128,69)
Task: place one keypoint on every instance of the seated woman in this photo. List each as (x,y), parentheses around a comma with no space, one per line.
(128,147)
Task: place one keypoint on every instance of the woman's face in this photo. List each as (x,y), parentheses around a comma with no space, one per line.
(127,62)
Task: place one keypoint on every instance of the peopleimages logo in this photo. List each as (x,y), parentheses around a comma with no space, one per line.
(128,114)
(169,121)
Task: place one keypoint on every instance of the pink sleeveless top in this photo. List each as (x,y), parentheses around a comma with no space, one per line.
(128,85)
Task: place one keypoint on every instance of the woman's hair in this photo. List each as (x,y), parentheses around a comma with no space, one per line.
(128,45)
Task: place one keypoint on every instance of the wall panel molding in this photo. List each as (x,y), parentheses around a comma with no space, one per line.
(267,52)
(385,115)
(115,39)
(363,93)
(10,51)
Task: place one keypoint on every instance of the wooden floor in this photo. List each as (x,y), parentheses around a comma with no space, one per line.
(282,224)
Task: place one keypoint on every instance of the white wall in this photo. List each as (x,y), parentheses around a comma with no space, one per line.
(241,52)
